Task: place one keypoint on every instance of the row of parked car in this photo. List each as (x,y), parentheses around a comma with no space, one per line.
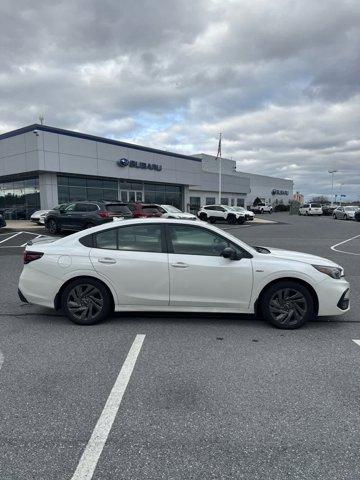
(340,212)
(85,214)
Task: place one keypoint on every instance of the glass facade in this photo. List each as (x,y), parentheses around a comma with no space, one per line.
(75,188)
(20,198)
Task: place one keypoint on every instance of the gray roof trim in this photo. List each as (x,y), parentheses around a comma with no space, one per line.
(94,138)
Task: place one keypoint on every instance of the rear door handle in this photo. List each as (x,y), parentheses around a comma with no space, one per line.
(179,265)
(107,260)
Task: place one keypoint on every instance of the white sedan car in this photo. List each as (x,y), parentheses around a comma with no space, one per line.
(178,266)
(169,211)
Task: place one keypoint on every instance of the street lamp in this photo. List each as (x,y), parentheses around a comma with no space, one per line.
(341,184)
(332,185)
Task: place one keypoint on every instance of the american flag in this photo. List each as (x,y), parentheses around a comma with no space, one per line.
(218,155)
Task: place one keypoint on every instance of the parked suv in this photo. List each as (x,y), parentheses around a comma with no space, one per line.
(144,210)
(79,215)
(261,208)
(212,213)
(311,209)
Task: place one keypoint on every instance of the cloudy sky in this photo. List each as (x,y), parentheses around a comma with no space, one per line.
(280,79)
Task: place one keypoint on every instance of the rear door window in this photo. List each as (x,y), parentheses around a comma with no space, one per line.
(116,208)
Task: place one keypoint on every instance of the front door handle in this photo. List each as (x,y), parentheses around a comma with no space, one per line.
(107,260)
(179,265)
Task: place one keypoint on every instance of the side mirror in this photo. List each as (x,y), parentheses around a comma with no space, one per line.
(230,253)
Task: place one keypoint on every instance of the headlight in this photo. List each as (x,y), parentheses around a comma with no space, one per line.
(333,272)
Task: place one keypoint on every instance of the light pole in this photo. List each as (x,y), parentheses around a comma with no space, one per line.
(341,184)
(332,185)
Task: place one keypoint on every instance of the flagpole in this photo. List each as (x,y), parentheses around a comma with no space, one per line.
(219,157)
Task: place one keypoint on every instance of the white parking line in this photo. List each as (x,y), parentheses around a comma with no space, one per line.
(12,236)
(357,342)
(1,359)
(341,243)
(90,457)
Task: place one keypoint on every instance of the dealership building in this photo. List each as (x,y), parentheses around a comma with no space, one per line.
(42,166)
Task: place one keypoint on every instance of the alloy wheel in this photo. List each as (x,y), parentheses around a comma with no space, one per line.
(52,226)
(85,302)
(288,306)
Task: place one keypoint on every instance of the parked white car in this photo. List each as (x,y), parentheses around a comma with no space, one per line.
(249,215)
(178,266)
(169,211)
(262,208)
(311,209)
(39,216)
(213,213)
(345,212)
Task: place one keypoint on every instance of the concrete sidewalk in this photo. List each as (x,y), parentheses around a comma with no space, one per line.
(22,225)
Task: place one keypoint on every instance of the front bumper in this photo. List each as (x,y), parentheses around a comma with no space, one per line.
(333,296)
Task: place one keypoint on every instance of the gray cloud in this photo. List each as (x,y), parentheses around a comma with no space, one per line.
(279,79)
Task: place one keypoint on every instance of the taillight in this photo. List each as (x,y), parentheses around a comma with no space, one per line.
(103,214)
(31,256)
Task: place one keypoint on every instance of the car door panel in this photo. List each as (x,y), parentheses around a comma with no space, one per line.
(200,276)
(207,281)
(133,260)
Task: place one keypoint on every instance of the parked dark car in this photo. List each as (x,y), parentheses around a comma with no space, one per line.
(357,215)
(144,210)
(328,209)
(79,215)
(2,219)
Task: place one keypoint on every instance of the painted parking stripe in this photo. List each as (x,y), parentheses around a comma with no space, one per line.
(90,457)
(341,243)
(357,342)
(12,236)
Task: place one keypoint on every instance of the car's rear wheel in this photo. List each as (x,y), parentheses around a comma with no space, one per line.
(287,305)
(52,226)
(203,216)
(86,301)
(212,219)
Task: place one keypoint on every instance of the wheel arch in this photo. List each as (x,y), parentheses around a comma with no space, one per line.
(57,300)
(305,284)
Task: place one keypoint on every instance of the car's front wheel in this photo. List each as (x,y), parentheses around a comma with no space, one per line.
(86,301)
(52,226)
(287,305)
(203,216)
(231,219)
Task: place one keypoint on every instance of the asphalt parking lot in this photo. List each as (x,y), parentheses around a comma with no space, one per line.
(194,397)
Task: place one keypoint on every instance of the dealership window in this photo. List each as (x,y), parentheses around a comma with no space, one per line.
(210,201)
(232,202)
(224,201)
(240,202)
(163,194)
(194,206)
(71,188)
(19,199)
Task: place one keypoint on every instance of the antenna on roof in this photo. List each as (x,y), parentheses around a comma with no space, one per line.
(41,119)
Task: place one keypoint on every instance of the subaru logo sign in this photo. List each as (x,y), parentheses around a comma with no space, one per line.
(279,192)
(124,162)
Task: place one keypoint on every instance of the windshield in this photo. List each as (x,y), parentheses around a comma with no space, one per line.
(170,208)
(238,209)
(116,208)
(351,209)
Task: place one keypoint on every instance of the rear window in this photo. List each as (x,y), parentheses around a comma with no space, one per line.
(316,205)
(115,208)
(150,209)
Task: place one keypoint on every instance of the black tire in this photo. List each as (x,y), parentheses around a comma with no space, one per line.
(241,220)
(345,217)
(52,226)
(212,219)
(203,217)
(231,219)
(93,306)
(262,212)
(277,302)
(270,212)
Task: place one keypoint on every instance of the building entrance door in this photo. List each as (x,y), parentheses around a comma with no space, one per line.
(131,196)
